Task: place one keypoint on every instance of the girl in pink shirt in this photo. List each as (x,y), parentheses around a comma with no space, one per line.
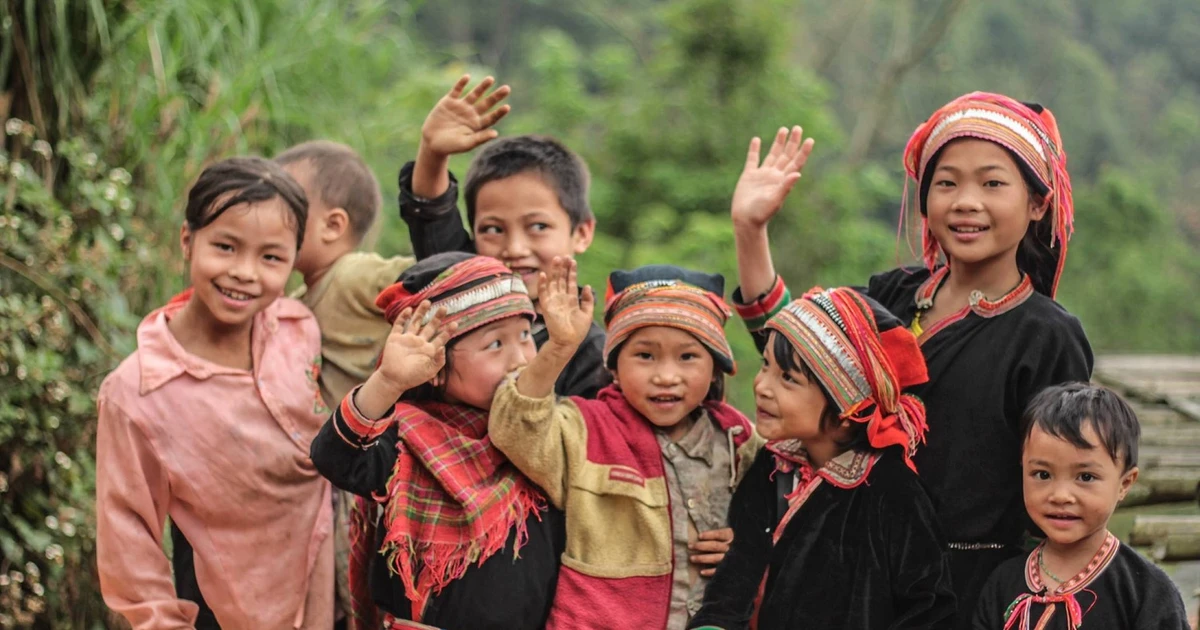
(210,420)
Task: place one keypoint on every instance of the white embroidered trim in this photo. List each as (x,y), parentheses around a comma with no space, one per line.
(1000,119)
(474,297)
(831,343)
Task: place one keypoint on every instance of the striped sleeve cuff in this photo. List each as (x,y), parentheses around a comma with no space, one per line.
(756,313)
(356,429)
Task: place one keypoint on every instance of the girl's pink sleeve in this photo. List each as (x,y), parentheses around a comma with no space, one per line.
(132,495)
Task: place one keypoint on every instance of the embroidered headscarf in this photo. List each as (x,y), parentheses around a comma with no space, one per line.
(864,358)
(453,499)
(666,295)
(1030,133)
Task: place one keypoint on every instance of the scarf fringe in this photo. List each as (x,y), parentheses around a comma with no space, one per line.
(426,568)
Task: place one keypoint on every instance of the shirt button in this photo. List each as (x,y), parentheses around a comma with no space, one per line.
(671,448)
(691,503)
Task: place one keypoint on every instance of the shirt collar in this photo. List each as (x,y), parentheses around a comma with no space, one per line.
(848,470)
(978,303)
(162,358)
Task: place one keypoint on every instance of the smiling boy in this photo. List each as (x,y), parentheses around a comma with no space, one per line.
(527,203)
(1079,461)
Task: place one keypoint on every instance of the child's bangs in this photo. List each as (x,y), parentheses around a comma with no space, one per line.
(787,358)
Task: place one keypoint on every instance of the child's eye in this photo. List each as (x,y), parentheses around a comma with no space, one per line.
(273,258)
(995,183)
(524,335)
(225,247)
(943,183)
(645,356)
(788,378)
(495,345)
(490,229)
(539,227)
(1087,477)
(1040,474)
(689,356)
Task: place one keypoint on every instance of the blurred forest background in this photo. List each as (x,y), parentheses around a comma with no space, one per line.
(112,107)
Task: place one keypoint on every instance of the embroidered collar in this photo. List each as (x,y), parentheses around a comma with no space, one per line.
(846,471)
(1104,556)
(978,303)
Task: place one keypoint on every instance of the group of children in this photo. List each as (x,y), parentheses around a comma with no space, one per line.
(501,461)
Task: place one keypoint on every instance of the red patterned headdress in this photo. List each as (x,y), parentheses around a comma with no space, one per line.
(863,357)
(1030,133)
(474,292)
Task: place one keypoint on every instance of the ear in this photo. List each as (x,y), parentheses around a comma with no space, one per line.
(1127,482)
(582,235)
(615,380)
(334,225)
(185,242)
(1038,207)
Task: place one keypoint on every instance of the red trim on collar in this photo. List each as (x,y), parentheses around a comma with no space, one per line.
(978,304)
(1104,556)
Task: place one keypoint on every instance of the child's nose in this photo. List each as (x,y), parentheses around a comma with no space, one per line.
(516,246)
(1061,494)
(243,270)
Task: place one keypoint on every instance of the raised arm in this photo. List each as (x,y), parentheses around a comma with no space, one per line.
(349,450)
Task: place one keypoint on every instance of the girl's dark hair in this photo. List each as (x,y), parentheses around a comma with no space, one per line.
(244,180)
(716,390)
(1034,252)
(787,360)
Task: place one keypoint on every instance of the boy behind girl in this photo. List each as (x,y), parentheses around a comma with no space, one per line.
(340,287)
(526,200)
(1079,460)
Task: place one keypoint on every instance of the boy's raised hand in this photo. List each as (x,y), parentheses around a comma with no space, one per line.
(763,186)
(566,312)
(460,122)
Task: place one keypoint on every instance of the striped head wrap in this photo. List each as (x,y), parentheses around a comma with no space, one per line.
(1030,133)
(864,358)
(475,292)
(666,295)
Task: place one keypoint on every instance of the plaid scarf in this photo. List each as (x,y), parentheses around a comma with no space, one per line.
(451,502)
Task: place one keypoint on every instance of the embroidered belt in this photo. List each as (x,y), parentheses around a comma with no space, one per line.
(976,546)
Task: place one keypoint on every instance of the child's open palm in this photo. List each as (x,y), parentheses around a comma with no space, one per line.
(415,350)
(460,123)
(566,312)
(762,188)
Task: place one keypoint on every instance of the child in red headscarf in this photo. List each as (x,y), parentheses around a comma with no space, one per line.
(996,200)
(832,528)
(464,540)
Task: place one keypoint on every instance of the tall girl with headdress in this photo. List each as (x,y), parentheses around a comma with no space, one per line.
(464,539)
(832,528)
(995,197)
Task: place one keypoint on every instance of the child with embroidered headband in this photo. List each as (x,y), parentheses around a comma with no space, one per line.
(996,199)
(209,423)
(645,471)
(832,528)
(465,541)
(1079,460)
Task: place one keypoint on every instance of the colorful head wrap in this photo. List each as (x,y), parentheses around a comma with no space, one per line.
(1030,133)
(666,295)
(864,357)
(475,292)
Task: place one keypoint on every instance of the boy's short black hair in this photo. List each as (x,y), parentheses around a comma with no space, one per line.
(239,180)
(341,179)
(786,359)
(558,166)
(1063,410)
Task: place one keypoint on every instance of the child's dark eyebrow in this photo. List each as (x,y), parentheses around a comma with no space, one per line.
(226,235)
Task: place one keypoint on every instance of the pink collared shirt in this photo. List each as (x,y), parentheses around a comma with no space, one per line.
(224,453)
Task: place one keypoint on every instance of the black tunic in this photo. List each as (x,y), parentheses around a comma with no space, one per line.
(867,557)
(504,593)
(983,371)
(1127,593)
(435,226)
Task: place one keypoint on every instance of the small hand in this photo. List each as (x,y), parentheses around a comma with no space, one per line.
(710,549)
(460,123)
(762,188)
(566,312)
(415,350)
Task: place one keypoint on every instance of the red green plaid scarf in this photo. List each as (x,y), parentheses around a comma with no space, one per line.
(451,502)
